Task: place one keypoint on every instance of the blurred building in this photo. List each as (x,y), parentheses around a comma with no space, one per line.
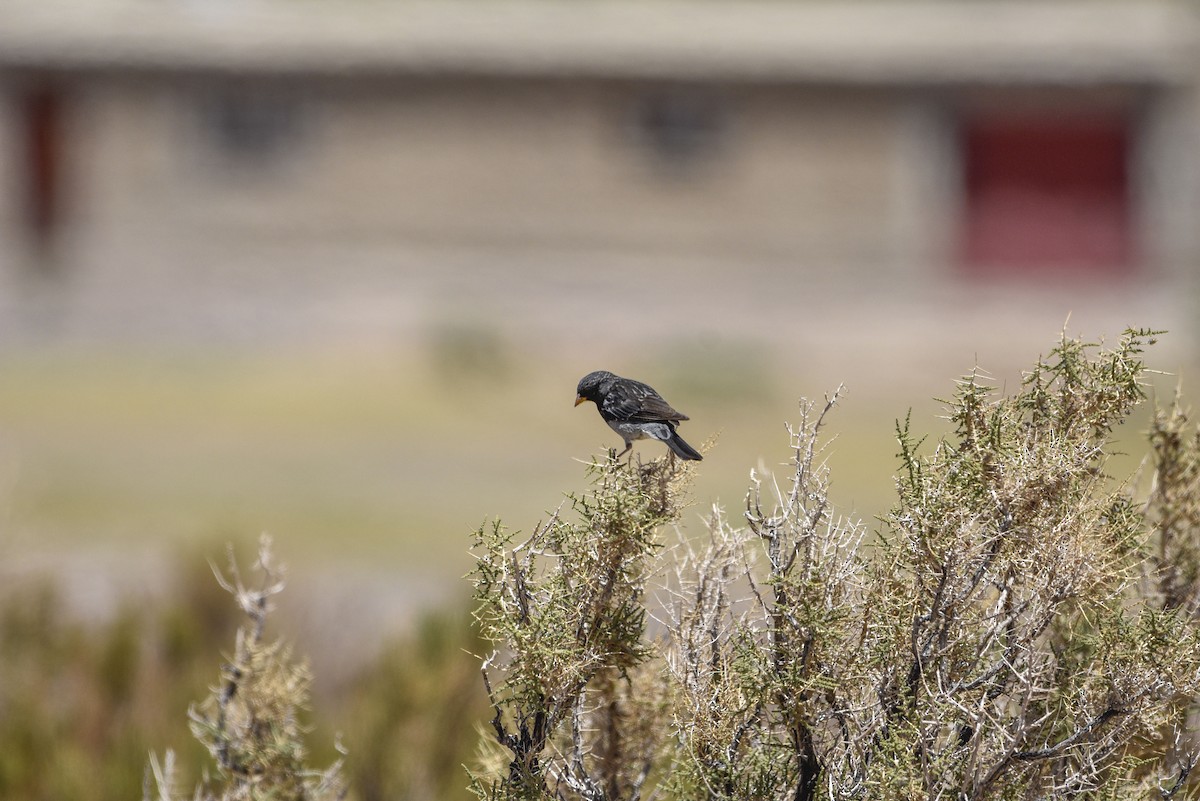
(910,139)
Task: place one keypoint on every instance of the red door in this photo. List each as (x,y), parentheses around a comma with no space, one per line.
(1047,194)
(41,114)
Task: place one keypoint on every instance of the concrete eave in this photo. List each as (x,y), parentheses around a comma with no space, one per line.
(871,42)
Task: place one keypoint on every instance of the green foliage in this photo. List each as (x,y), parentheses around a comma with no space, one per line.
(1173,509)
(1017,552)
(250,723)
(409,723)
(778,658)
(1021,627)
(82,702)
(406,718)
(565,611)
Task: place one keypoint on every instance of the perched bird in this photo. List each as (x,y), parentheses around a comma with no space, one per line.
(634,410)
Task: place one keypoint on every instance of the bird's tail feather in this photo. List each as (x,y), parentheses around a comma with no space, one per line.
(682,449)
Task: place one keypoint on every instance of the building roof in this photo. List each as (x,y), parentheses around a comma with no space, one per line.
(872,41)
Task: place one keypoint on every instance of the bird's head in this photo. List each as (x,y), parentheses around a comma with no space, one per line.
(593,386)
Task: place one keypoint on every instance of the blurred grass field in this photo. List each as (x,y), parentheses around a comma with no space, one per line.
(371,417)
(369,467)
(378,459)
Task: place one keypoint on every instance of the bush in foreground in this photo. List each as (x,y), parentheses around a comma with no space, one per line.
(250,722)
(1022,625)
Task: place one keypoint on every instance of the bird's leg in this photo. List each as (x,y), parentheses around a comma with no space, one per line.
(628,445)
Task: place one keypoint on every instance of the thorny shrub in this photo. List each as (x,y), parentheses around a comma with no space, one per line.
(1020,626)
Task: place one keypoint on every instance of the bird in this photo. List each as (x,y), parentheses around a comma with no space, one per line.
(635,411)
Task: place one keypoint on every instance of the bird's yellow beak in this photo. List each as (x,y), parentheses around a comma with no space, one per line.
(579,399)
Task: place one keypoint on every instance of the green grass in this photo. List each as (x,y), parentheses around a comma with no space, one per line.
(382,457)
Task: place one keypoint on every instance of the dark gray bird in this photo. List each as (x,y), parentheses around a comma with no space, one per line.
(635,411)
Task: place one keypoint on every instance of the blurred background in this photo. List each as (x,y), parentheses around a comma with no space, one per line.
(331,270)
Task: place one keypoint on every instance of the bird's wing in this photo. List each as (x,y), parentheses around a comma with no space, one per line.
(635,402)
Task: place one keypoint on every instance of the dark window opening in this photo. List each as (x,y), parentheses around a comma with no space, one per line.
(1046,194)
(681,127)
(255,127)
